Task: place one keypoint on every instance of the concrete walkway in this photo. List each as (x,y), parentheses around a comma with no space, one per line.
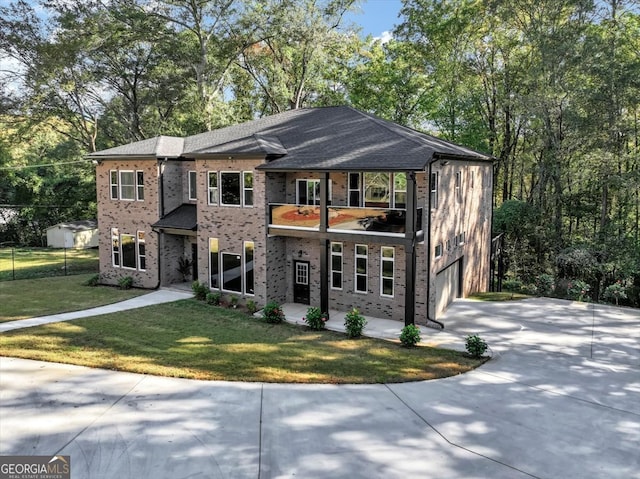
(560,399)
(156,297)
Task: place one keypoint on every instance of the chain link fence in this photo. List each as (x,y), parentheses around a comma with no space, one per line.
(29,263)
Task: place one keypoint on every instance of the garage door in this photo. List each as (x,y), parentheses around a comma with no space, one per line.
(447,287)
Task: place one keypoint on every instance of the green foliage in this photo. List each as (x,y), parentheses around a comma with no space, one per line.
(616,292)
(252,307)
(512,285)
(126,282)
(233,302)
(200,290)
(315,318)
(354,323)
(410,335)
(578,290)
(213,298)
(272,312)
(93,280)
(544,285)
(475,346)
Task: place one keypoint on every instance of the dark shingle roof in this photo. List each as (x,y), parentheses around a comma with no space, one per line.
(80,225)
(330,138)
(184,217)
(157,147)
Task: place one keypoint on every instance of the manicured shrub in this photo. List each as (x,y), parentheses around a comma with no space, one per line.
(93,281)
(476,346)
(200,290)
(214,298)
(410,335)
(354,323)
(233,302)
(126,282)
(252,307)
(315,318)
(272,312)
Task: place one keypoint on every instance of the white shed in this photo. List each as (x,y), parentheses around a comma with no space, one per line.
(73,234)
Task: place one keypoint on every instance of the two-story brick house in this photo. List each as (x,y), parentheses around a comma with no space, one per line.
(329,206)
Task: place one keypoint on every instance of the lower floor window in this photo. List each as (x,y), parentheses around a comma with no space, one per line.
(231,272)
(128,250)
(248,267)
(387,269)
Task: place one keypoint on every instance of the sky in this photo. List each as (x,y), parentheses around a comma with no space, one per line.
(377,17)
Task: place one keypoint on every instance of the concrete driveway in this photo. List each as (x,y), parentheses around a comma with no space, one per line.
(560,399)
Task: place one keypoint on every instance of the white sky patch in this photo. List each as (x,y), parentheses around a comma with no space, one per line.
(384,37)
(11,71)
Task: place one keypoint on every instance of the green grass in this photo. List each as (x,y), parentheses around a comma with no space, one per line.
(28,298)
(29,263)
(498,296)
(193,340)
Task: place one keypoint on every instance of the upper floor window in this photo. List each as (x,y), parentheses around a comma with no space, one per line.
(193,186)
(458,186)
(399,190)
(126,185)
(377,189)
(113,175)
(355,187)
(433,189)
(247,177)
(230,190)
(308,192)
(139,185)
(213,187)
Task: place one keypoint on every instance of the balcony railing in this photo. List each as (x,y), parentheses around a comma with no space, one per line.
(386,221)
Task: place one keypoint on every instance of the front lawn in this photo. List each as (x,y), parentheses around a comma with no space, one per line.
(28,298)
(193,340)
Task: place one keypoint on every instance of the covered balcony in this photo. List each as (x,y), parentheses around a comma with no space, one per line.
(378,221)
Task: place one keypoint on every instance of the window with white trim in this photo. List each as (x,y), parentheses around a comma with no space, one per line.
(400,190)
(377,189)
(249,280)
(387,271)
(458,186)
(113,180)
(462,238)
(230,190)
(128,245)
(433,189)
(214,264)
(115,247)
(127,185)
(354,189)
(438,250)
(212,187)
(142,251)
(140,185)
(361,267)
(308,191)
(336,265)
(193,185)
(232,272)
(247,180)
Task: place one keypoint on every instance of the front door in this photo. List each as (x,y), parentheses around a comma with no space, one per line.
(301,282)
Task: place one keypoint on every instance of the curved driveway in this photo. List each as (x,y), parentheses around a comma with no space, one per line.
(560,399)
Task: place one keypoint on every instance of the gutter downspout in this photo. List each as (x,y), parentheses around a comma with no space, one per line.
(429,318)
(161,208)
